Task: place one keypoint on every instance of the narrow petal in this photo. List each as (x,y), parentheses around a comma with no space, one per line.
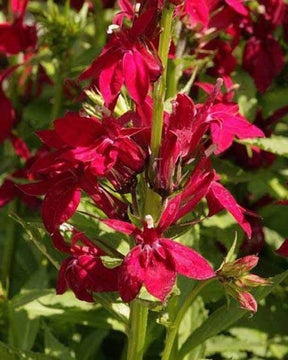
(136,76)
(131,276)
(60,203)
(188,262)
(159,277)
(219,197)
(121,226)
(76,130)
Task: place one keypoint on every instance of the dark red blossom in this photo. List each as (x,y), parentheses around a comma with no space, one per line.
(99,145)
(126,59)
(263,57)
(83,272)
(17,36)
(155,261)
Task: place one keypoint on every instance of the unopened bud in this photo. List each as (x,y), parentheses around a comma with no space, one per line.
(252,280)
(247,301)
(239,267)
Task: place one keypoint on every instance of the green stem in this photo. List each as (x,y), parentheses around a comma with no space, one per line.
(152,203)
(173,330)
(8,251)
(137,331)
(160,86)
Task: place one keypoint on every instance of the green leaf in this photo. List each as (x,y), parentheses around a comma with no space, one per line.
(275,144)
(9,353)
(54,348)
(194,317)
(90,345)
(224,317)
(38,238)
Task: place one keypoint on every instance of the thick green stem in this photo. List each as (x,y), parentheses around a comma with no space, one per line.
(173,330)
(160,86)
(139,313)
(152,205)
(137,331)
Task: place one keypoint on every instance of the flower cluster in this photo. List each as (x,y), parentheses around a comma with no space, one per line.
(108,156)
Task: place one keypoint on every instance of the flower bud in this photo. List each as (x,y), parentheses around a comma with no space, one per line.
(239,267)
(252,280)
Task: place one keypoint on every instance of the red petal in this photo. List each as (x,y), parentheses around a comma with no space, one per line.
(136,76)
(61,286)
(36,189)
(131,275)
(76,130)
(188,262)
(159,277)
(219,197)
(121,226)
(60,203)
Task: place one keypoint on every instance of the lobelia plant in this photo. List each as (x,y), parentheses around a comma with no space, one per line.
(142,165)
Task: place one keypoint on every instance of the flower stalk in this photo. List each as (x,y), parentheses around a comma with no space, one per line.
(161,85)
(137,331)
(173,330)
(139,313)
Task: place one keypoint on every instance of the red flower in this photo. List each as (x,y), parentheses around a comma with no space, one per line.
(126,59)
(84,272)
(16,37)
(99,144)
(263,57)
(155,261)
(224,118)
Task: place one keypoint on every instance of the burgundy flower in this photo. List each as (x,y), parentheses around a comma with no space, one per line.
(263,57)
(225,121)
(62,190)
(126,59)
(155,261)
(16,37)
(100,145)
(83,272)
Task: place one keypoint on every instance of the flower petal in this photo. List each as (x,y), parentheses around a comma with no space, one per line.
(188,262)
